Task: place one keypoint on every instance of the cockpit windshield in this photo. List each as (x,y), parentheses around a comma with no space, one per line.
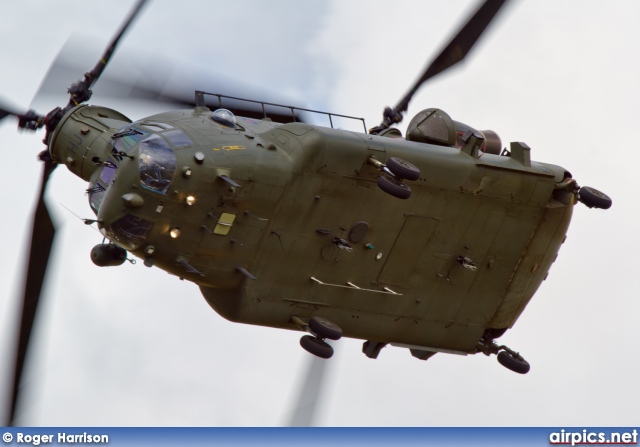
(156,160)
(157,164)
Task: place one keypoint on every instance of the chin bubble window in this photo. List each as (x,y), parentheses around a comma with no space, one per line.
(129,231)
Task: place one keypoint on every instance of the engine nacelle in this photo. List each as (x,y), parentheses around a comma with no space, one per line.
(435,126)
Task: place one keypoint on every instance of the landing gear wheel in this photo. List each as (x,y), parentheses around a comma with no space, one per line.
(403,169)
(594,198)
(325,328)
(515,364)
(399,190)
(317,347)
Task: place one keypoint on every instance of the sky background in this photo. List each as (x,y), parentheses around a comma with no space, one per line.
(135,346)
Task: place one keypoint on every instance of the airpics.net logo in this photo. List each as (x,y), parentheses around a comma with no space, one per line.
(587,437)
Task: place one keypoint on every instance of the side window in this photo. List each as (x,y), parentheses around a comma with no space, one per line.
(156,126)
(107,174)
(178,138)
(96,194)
(96,190)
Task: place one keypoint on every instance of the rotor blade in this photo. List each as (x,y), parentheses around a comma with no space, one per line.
(172,82)
(80,91)
(5,111)
(305,410)
(154,78)
(94,74)
(458,48)
(42,236)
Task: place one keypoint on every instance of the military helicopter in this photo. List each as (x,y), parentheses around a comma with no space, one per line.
(435,242)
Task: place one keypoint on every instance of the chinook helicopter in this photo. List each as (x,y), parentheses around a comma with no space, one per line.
(434,241)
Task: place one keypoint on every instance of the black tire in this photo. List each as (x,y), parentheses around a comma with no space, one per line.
(403,169)
(325,328)
(317,347)
(594,198)
(521,366)
(399,190)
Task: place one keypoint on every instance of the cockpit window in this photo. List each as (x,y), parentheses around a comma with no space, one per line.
(107,174)
(178,138)
(155,126)
(129,231)
(157,164)
(96,194)
(126,138)
(99,187)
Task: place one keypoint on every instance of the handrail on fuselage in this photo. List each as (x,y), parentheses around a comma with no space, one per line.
(200,102)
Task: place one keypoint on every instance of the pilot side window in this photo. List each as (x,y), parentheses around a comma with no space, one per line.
(96,190)
(156,126)
(178,138)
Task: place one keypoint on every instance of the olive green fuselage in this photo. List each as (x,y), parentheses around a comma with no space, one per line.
(309,222)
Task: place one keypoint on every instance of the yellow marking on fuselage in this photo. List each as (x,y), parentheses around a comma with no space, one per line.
(230,148)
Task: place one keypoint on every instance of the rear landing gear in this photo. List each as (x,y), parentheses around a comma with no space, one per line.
(402,169)
(395,172)
(316,346)
(324,328)
(321,328)
(394,187)
(507,357)
(513,361)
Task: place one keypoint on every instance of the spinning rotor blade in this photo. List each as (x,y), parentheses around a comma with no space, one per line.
(43,231)
(97,70)
(458,48)
(153,78)
(42,235)
(153,82)
(81,91)
(28,120)
(304,412)
(453,53)
(5,112)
